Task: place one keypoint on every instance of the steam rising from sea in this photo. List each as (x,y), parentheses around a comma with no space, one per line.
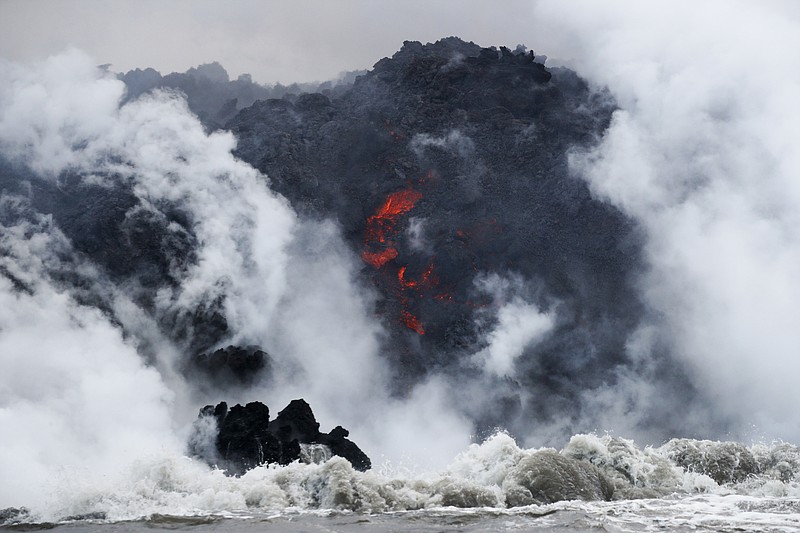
(702,154)
(76,398)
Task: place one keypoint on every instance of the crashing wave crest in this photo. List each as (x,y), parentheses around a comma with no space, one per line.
(495,474)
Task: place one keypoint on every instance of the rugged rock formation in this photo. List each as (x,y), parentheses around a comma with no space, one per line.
(447,164)
(244,437)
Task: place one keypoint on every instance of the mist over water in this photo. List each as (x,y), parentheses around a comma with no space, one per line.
(701,154)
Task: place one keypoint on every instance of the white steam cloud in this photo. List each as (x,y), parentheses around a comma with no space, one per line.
(704,155)
(76,400)
(75,396)
(519,325)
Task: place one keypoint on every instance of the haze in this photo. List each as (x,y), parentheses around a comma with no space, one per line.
(306,40)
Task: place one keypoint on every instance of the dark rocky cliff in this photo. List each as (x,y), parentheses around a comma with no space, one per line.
(470,147)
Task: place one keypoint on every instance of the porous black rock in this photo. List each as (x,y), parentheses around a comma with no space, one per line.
(484,136)
(340,445)
(244,437)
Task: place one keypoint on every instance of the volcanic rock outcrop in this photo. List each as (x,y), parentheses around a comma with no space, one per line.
(243,437)
(447,165)
(447,169)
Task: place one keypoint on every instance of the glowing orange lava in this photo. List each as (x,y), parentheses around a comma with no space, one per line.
(380,250)
(398,203)
(378,259)
(412,322)
(381,225)
(427,280)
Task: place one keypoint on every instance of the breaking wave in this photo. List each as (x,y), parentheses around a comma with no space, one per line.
(496,474)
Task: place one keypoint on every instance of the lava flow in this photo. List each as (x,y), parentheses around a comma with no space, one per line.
(382,227)
(412,322)
(378,259)
(427,280)
(380,249)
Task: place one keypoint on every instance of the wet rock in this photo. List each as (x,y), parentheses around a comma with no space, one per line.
(244,437)
(96,515)
(244,440)
(296,422)
(340,445)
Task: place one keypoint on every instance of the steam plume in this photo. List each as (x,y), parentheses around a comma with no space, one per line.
(703,155)
(103,383)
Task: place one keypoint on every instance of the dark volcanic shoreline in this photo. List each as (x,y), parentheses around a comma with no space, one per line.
(243,437)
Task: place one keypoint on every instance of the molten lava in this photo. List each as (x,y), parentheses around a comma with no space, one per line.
(412,322)
(378,259)
(427,280)
(380,250)
(382,227)
(397,203)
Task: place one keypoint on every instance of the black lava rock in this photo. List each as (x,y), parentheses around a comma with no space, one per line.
(339,445)
(477,142)
(245,437)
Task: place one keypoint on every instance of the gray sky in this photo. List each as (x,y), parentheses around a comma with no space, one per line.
(298,40)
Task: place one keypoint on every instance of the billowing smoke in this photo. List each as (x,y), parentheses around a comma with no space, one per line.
(703,154)
(95,346)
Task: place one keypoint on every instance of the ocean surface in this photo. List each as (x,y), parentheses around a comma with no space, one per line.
(688,513)
(593,484)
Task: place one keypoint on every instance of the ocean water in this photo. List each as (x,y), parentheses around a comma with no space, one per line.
(698,513)
(592,484)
